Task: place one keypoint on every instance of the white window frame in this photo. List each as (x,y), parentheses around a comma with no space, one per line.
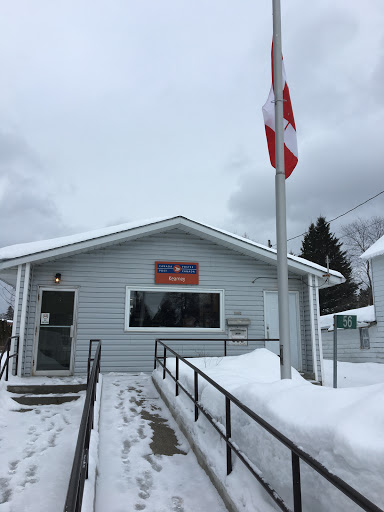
(168,289)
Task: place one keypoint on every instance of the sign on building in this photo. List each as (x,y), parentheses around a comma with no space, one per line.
(167,272)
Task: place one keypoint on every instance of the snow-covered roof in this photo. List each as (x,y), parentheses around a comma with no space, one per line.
(49,249)
(20,250)
(377,249)
(364,316)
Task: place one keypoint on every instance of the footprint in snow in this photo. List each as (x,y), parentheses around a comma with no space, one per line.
(13,466)
(5,490)
(177,504)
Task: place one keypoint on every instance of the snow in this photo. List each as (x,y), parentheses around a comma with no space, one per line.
(353,374)
(19,250)
(341,428)
(132,474)
(89,495)
(377,249)
(36,451)
(365,315)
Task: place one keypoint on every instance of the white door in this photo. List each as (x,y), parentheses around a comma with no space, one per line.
(271,318)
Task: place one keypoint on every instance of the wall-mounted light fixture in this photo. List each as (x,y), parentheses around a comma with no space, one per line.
(57,278)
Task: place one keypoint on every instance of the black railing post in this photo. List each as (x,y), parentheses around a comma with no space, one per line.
(155,361)
(89,360)
(7,361)
(17,354)
(296,483)
(196,396)
(177,377)
(225,348)
(165,362)
(80,465)
(228,433)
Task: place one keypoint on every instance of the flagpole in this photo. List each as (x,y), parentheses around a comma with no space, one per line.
(281,221)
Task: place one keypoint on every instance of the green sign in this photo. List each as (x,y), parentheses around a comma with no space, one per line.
(346,321)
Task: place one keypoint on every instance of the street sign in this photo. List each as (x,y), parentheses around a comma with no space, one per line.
(346,321)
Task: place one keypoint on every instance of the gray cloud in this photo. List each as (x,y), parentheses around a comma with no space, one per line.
(26,204)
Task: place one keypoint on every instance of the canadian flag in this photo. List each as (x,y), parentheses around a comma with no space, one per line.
(290,140)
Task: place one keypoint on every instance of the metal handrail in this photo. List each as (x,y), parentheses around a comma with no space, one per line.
(225,340)
(296,452)
(6,350)
(79,471)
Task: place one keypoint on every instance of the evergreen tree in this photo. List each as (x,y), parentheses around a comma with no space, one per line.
(319,243)
(9,313)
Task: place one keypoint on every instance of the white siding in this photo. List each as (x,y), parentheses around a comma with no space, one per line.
(103,274)
(348,341)
(348,346)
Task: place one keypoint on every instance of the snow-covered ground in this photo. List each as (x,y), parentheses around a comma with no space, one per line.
(36,451)
(341,428)
(143,465)
(353,374)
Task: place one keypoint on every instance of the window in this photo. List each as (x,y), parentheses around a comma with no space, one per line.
(155,309)
(364,338)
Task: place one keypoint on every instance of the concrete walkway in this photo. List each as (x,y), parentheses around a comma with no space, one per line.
(145,462)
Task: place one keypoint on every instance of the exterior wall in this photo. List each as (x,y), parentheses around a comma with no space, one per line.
(348,341)
(378,294)
(348,346)
(103,274)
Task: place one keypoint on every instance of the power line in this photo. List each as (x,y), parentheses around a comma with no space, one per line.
(341,215)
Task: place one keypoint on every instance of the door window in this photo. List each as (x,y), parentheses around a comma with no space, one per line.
(55,331)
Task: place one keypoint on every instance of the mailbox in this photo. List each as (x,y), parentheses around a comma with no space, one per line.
(238,331)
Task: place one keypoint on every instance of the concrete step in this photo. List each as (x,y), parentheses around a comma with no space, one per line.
(44,400)
(47,389)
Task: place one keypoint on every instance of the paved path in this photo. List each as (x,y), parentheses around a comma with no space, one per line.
(145,463)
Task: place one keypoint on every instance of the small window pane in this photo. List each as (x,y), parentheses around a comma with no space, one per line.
(364,338)
(174,309)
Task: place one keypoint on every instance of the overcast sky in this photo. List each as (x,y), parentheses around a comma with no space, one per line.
(112,111)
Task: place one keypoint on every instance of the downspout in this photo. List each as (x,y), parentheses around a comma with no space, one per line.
(319,329)
(16,308)
(23,317)
(313,331)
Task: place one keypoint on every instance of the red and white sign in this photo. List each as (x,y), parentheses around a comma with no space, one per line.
(171,272)
(44,318)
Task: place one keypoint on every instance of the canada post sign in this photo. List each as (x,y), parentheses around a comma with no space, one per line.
(167,272)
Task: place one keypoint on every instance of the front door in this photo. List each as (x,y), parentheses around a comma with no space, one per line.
(55,332)
(271,318)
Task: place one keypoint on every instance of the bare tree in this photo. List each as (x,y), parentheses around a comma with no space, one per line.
(357,237)
(7,293)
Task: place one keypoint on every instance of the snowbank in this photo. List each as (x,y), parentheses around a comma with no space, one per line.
(364,315)
(341,428)
(353,374)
